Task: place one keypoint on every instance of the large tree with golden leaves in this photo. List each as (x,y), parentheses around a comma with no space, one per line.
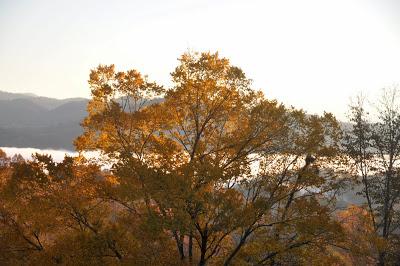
(231,177)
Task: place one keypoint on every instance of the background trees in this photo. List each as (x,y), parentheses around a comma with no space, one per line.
(374,144)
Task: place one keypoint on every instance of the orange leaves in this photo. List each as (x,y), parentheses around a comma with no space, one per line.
(106,83)
(100,80)
(361,239)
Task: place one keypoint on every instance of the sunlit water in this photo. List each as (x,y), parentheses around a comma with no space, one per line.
(58,155)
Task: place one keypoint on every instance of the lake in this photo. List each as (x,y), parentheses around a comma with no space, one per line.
(58,155)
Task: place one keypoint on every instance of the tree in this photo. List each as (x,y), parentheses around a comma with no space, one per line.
(186,159)
(55,213)
(4,160)
(361,243)
(375,148)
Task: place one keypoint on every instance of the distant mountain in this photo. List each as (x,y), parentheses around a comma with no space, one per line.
(28,120)
(11,96)
(45,102)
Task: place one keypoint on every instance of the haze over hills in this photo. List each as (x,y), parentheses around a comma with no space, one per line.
(28,120)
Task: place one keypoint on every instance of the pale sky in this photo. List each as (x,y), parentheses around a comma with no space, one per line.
(313,54)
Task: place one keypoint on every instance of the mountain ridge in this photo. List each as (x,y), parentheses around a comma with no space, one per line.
(46,102)
(28,120)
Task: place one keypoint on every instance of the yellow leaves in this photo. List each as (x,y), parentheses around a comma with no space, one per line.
(111,179)
(187,162)
(317,135)
(100,79)
(107,84)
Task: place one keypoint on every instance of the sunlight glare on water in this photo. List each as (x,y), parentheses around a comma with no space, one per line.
(58,155)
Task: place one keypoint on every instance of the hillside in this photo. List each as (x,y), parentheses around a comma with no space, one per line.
(27,120)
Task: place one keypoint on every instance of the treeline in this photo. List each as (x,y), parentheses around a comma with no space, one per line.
(215,174)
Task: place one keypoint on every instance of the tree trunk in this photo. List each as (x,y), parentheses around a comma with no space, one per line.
(191,247)
(179,244)
(203,248)
(381,259)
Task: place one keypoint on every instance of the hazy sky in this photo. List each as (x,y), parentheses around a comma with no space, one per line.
(312,54)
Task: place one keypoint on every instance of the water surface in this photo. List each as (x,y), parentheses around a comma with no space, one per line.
(58,155)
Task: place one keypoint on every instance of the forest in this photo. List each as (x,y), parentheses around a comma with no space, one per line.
(207,171)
